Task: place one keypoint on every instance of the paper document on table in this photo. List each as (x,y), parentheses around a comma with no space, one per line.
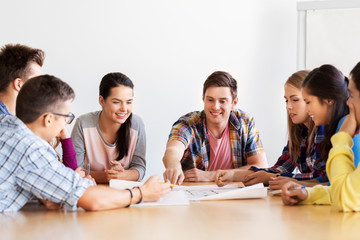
(212,192)
(170,199)
(122,184)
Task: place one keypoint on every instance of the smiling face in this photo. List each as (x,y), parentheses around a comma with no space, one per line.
(295,104)
(117,107)
(318,110)
(218,104)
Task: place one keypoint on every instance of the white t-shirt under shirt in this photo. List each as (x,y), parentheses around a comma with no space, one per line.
(90,145)
(220,151)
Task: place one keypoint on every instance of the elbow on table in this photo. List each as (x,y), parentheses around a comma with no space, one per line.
(90,205)
(345,197)
(91,200)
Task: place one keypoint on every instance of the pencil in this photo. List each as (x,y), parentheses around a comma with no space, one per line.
(171,185)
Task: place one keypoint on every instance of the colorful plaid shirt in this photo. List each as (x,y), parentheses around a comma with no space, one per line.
(29,167)
(191,130)
(305,162)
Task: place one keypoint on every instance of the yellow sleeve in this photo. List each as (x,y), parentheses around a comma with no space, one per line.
(318,195)
(344,179)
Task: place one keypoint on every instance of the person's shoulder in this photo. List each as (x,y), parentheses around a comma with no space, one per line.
(191,117)
(9,123)
(89,119)
(15,131)
(240,114)
(136,122)
(90,115)
(340,123)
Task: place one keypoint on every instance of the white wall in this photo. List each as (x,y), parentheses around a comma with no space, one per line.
(168,48)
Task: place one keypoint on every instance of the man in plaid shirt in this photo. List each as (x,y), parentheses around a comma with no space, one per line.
(219,137)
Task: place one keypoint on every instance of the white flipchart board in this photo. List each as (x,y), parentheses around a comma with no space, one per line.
(328,33)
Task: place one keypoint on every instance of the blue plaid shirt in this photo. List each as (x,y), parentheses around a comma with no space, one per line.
(305,162)
(29,167)
(191,130)
(3,109)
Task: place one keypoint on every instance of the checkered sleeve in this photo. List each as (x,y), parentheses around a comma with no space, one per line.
(45,177)
(182,132)
(285,166)
(253,143)
(285,162)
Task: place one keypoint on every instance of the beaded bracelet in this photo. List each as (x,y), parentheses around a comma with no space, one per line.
(131,196)
(141,196)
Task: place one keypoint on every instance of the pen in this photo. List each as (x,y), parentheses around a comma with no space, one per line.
(280,191)
(88,169)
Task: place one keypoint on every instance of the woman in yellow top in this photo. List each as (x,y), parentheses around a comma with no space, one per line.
(344,191)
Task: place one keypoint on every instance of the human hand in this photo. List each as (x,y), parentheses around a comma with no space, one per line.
(197,175)
(275,183)
(258,177)
(63,134)
(80,171)
(292,196)
(224,177)
(350,125)
(50,205)
(91,179)
(116,165)
(115,170)
(153,189)
(174,174)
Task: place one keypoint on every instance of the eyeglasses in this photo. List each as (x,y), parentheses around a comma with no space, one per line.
(68,117)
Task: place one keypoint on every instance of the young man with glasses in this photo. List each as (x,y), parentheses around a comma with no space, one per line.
(29,165)
(68,117)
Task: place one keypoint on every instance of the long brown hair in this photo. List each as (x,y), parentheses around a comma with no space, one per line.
(294,130)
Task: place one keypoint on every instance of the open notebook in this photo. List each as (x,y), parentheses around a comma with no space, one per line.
(181,195)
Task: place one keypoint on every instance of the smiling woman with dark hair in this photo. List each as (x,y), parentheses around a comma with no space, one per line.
(111,143)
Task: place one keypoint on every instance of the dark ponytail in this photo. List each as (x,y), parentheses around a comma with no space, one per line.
(328,83)
(108,82)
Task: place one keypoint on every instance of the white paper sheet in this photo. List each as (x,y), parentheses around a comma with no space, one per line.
(170,199)
(212,192)
(182,194)
(122,184)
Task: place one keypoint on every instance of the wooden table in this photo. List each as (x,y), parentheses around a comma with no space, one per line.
(265,218)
